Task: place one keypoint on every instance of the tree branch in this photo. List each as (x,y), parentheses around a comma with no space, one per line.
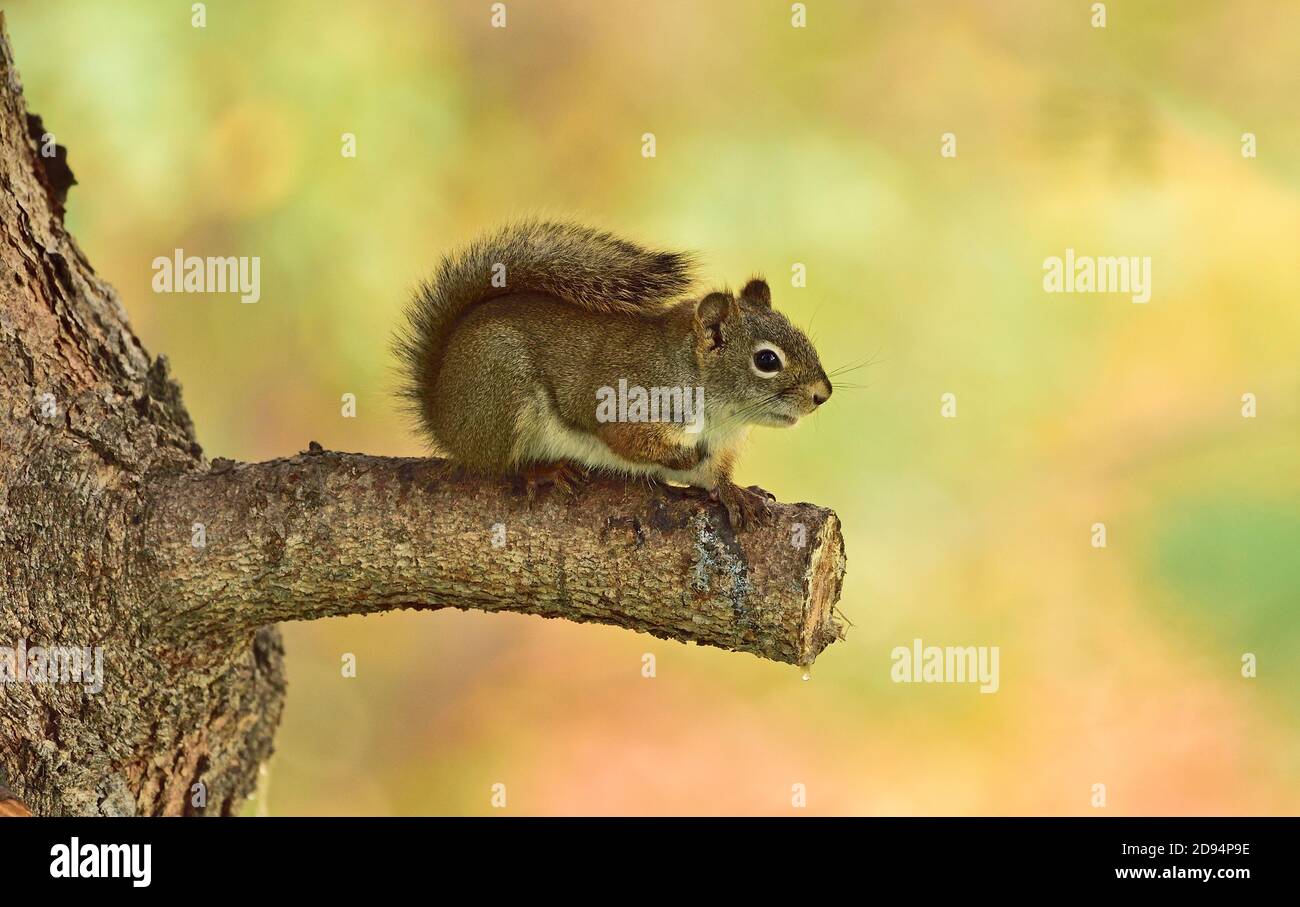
(102,480)
(325,533)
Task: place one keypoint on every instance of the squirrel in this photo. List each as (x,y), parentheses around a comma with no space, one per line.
(517,356)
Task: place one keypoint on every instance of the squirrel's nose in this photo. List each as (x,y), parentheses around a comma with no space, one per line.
(822,393)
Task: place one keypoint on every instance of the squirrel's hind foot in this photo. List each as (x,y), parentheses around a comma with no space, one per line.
(563,479)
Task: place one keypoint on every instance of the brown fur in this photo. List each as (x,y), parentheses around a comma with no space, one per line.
(505,377)
(589,269)
(648,442)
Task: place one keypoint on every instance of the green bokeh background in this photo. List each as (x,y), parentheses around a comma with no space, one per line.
(775,145)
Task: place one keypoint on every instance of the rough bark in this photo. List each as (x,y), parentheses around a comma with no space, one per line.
(325,533)
(102,482)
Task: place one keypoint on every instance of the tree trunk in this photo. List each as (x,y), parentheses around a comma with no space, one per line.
(117,534)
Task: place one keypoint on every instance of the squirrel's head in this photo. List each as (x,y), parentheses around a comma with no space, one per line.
(763,368)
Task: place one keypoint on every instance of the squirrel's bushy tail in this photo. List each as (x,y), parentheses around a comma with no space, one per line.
(571,262)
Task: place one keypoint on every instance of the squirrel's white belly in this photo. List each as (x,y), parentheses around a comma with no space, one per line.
(542,437)
(723,436)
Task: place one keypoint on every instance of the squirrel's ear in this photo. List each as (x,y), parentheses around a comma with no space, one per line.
(757,293)
(716,316)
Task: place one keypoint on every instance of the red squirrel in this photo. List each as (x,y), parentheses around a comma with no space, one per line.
(520,351)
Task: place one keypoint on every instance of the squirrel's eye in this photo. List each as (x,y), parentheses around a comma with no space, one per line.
(767,362)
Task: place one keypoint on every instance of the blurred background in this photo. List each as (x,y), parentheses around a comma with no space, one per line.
(775,145)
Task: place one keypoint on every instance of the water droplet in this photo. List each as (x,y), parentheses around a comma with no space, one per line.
(807,672)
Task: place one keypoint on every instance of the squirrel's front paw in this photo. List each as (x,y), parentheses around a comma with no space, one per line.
(746,507)
(563,478)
